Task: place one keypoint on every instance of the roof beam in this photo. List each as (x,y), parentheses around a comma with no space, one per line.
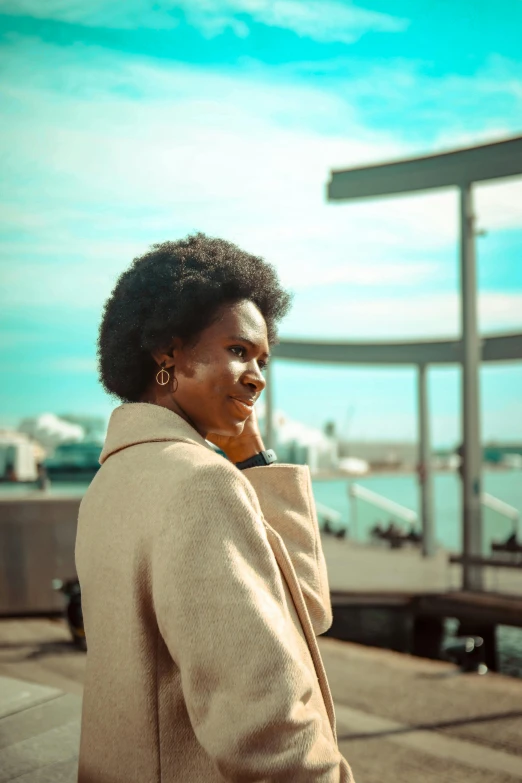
(447,169)
(500,348)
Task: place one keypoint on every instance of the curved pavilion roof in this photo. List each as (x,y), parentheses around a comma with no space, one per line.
(496,348)
(459,168)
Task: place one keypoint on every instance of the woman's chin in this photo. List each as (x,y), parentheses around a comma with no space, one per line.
(236,428)
(230,429)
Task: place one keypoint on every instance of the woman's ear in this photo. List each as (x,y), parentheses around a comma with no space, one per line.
(175,348)
(168,354)
(165,357)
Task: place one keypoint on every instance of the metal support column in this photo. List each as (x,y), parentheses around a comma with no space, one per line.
(354,527)
(269,408)
(471,470)
(424,470)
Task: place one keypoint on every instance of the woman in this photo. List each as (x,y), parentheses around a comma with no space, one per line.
(203,580)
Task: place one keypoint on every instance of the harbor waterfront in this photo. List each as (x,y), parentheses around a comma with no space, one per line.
(289,228)
(402,488)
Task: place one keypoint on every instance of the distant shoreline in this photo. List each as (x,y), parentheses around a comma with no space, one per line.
(328,475)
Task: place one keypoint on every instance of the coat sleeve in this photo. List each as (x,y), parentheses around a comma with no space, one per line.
(220,605)
(285,496)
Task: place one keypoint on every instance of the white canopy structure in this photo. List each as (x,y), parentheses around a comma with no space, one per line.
(460,169)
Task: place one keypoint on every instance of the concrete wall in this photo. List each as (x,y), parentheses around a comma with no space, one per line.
(37,537)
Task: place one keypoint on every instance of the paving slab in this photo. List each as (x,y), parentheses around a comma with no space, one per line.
(400,718)
(61,772)
(17,695)
(39,731)
(38,718)
(398,715)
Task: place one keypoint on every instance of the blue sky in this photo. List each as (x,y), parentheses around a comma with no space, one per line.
(127,124)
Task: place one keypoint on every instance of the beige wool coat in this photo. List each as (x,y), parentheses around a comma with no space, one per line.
(203,590)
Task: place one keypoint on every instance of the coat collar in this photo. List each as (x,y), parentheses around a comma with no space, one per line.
(141,422)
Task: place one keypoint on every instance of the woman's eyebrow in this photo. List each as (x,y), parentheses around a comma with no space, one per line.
(246,340)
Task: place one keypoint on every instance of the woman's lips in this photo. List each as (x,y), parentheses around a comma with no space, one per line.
(243,407)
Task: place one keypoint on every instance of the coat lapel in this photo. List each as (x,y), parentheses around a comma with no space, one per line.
(287,569)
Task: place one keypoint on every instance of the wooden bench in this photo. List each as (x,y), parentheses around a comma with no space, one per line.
(515,549)
(395,540)
(494,562)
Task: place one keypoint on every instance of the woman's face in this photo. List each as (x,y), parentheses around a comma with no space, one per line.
(220,377)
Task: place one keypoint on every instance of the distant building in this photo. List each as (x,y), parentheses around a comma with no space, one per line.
(299,444)
(72,461)
(503,453)
(49,430)
(381,454)
(354,466)
(94,427)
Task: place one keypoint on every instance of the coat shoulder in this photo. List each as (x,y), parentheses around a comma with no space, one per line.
(203,484)
(194,458)
(193,463)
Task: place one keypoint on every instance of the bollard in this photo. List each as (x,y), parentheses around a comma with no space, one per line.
(73,610)
(468,653)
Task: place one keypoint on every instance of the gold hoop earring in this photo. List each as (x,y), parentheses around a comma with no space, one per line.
(160,375)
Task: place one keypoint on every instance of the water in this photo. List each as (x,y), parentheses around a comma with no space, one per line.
(57,489)
(404,489)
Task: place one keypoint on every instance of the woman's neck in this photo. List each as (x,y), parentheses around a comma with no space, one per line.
(155,397)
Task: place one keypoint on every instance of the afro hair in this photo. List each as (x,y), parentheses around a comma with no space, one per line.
(176,289)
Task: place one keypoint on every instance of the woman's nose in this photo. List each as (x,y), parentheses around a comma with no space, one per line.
(255,378)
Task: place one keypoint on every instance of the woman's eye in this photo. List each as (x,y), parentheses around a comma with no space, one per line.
(240,351)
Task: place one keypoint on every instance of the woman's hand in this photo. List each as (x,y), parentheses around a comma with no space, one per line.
(242,446)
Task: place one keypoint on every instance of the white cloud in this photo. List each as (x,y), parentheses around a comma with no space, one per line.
(422,315)
(134,14)
(320,20)
(236,155)
(498,205)
(80,282)
(65,365)
(366,275)
(72,364)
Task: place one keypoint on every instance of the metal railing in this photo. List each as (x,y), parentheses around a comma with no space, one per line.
(356,491)
(504,509)
(327,514)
